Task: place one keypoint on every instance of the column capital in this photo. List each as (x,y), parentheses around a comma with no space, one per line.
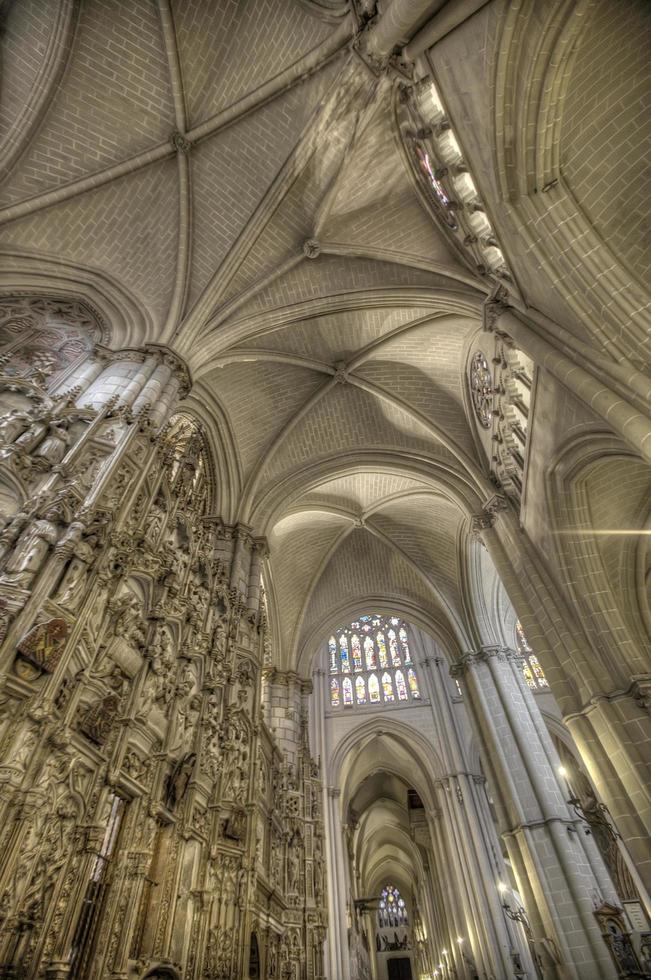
(482,655)
(176,364)
(496,504)
(481,522)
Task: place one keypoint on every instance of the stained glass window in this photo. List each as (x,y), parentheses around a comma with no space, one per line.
(369,653)
(393,648)
(348,690)
(373,689)
(382,648)
(345,662)
(401,687)
(538,671)
(387,687)
(372,644)
(334,692)
(413,683)
(360,690)
(437,187)
(533,672)
(332,649)
(357,652)
(404,644)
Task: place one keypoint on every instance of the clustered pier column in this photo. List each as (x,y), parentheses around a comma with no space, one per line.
(559,873)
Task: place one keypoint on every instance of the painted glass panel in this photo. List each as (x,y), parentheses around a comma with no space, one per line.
(382,647)
(401,687)
(373,689)
(413,683)
(357,652)
(528,676)
(332,650)
(393,649)
(387,687)
(369,653)
(360,690)
(348,691)
(538,671)
(345,661)
(334,692)
(402,633)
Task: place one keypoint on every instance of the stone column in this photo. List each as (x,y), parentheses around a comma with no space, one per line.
(553,870)
(258,554)
(339,965)
(84,375)
(287,690)
(612,729)
(166,384)
(241,566)
(121,380)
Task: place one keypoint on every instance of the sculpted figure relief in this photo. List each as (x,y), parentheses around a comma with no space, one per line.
(73,584)
(32,549)
(55,444)
(13,424)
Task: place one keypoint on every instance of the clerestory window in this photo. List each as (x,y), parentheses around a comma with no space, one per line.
(370,663)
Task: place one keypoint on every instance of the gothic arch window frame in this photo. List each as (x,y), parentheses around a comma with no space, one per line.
(370,664)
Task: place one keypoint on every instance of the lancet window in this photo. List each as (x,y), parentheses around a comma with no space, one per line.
(370,663)
(533,672)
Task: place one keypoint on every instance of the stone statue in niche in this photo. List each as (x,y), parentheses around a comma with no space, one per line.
(235,826)
(177,782)
(40,423)
(73,584)
(234,783)
(292,865)
(96,720)
(154,525)
(33,548)
(23,749)
(13,424)
(128,618)
(55,444)
(190,721)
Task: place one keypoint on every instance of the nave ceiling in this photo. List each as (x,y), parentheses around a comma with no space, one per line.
(177,168)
